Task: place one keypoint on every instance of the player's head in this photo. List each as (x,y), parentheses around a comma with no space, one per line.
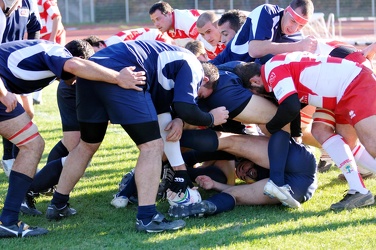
(198,49)
(95,42)
(207,27)
(80,48)
(250,172)
(229,24)
(296,16)
(161,14)
(250,75)
(211,76)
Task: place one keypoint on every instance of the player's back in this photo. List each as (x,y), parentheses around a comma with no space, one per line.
(29,65)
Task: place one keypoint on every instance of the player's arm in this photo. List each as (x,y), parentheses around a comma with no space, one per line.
(193,115)
(208,183)
(55,27)
(287,111)
(126,78)
(260,48)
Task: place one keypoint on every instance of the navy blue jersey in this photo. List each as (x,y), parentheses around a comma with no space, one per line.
(263,23)
(29,65)
(173,74)
(23,20)
(229,92)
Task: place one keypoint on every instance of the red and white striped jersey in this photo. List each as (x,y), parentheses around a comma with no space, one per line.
(48,10)
(139,34)
(213,51)
(318,80)
(185,29)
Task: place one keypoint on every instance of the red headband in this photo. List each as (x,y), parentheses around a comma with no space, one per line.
(298,18)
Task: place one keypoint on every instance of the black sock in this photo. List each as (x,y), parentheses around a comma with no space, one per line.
(60,200)
(47,177)
(7,149)
(57,152)
(146,213)
(223,201)
(18,186)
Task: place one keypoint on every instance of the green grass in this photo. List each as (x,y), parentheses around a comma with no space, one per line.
(100,226)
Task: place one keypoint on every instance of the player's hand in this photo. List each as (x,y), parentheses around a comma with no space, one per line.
(205,182)
(220,115)
(175,128)
(180,183)
(9,100)
(129,79)
(308,44)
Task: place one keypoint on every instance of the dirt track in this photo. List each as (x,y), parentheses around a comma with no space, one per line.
(362,31)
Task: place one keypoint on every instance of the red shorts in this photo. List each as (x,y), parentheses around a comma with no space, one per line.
(358,101)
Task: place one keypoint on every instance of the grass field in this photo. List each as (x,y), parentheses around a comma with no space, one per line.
(100,226)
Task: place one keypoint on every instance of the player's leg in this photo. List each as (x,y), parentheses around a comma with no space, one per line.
(23,133)
(323,130)
(363,159)
(147,177)
(74,166)
(251,194)
(259,110)
(240,145)
(367,134)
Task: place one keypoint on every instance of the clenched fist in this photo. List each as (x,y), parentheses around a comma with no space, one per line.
(220,115)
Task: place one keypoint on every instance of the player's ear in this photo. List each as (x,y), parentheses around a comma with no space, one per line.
(205,80)
(255,80)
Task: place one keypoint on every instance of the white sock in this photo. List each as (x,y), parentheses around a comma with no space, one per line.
(364,160)
(171,149)
(341,154)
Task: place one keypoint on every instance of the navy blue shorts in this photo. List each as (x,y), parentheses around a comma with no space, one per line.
(14,113)
(99,102)
(66,101)
(300,172)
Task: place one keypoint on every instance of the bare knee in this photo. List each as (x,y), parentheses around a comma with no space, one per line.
(321,132)
(153,146)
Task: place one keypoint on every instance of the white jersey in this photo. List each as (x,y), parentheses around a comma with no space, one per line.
(139,34)
(319,80)
(185,29)
(326,47)
(48,10)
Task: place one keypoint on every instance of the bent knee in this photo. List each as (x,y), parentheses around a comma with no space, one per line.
(154,145)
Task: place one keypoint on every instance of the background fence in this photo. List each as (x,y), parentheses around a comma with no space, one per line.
(136,11)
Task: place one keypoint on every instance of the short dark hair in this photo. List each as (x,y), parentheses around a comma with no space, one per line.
(80,48)
(306,5)
(246,71)
(163,7)
(210,71)
(94,41)
(236,18)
